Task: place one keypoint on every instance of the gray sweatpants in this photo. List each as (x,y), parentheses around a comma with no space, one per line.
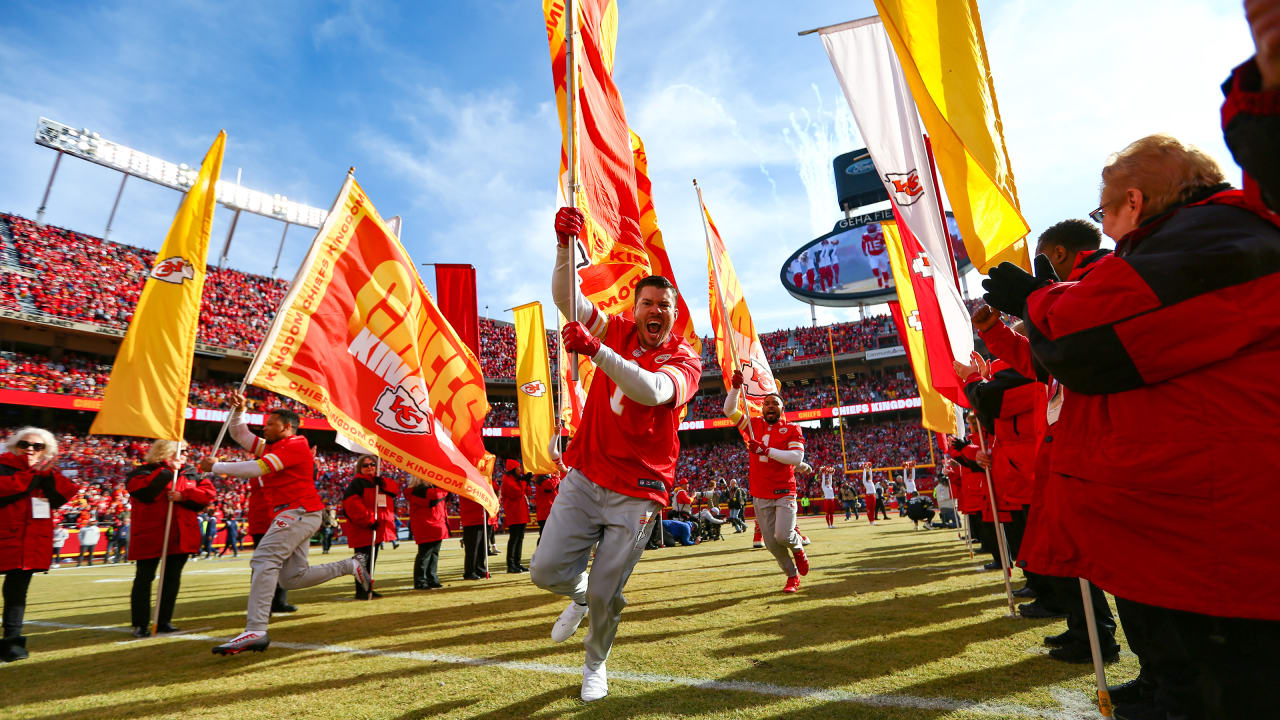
(282,557)
(585,514)
(777,518)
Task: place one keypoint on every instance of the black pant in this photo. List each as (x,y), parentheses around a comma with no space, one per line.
(1162,657)
(1064,596)
(366,553)
(206,545)
(880,509)
(231,545)
(140,598)
(326,539)
(475,551)
(425,564)
(281,596)
(515,547)
(16,583)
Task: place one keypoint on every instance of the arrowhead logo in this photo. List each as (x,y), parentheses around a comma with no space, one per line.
(399,412)
(920,266)
(755,383)
(173,270)
(914,321)
(534,388)
(904,187)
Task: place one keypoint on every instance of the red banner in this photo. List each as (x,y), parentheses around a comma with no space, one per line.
(456,293)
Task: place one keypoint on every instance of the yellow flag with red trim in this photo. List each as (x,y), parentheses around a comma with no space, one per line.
(534,402)
(146,395)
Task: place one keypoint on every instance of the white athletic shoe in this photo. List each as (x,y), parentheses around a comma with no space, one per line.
(804,540)
(362,575)
(595,683)
(567,624)
(256,641)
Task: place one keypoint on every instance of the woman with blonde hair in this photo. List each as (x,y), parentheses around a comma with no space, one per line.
(31,488)
(162,482)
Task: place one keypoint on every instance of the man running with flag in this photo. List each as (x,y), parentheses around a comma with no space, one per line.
(777,447)
(623,458)
(285,469)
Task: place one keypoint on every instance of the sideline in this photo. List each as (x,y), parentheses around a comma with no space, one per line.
(1071,706)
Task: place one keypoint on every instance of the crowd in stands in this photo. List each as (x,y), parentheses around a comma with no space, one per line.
(884,444)
(819,394)
(806,342)
(498,348)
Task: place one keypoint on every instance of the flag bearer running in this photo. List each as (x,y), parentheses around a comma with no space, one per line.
(777,448)
(285,469)
(623,458)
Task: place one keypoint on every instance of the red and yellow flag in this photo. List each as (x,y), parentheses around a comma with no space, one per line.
(736,337)
(943,55)
(359,339)
(921,329)
(147,393)
(535,404)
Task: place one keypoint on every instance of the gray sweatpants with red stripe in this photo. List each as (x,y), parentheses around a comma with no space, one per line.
(282,557)
(585,515)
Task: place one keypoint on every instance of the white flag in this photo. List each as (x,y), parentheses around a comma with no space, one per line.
(886,114)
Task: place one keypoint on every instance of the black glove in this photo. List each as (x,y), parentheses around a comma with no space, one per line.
(1008,285)
(958,444)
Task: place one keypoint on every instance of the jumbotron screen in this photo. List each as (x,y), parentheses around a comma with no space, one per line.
(850,265)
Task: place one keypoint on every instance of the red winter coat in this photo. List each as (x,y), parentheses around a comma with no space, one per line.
(147,485)
(26,543)
(515,498)
(359,501)
(545,496)
(971,491)
(1014,404)
(1169,349)
(470,512)
(428,513)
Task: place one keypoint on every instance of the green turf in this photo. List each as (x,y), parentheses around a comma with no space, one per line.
(885,611)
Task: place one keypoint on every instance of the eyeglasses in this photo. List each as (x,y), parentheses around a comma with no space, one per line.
(1098,214)
(367,465)
(23,445)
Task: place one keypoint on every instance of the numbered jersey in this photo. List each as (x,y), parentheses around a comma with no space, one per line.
(770,478)
(873,243)
(625,446)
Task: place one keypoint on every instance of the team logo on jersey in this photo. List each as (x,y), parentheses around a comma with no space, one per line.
(173,270)
(399,412)
(662,358)
(905,187)
(534,388)
(637,352)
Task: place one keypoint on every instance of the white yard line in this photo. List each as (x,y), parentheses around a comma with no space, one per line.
(1072,706)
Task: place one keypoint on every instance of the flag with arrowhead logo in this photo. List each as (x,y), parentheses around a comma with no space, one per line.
(534,401)
(943,56)
(735,332)
(359,339)
(146,395)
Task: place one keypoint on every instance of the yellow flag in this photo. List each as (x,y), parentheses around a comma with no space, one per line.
(147,393)
(938,412)
(944,58)
(533,385)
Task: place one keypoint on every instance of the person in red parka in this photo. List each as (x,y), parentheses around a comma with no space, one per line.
(31,488)
(153,488)
(544,497)
(429,521)
(475,561)
(515,511)
(369,504)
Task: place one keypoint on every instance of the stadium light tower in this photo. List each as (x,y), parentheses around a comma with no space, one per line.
(91,146)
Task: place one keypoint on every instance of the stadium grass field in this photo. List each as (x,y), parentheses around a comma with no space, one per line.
(890,623)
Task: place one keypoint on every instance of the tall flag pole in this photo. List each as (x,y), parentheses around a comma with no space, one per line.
(571,160)
(146,395)
(359,338)
(737,343)
(835,381)
(943,56)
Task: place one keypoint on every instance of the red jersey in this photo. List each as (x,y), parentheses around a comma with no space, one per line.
(290,477)
(625,446)
(770,478)
(873,243)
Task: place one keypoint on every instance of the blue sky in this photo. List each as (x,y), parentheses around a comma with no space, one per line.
(445,110)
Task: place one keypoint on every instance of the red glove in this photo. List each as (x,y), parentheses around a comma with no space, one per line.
(737,379)
(757,447)
(568,225)
(578,340)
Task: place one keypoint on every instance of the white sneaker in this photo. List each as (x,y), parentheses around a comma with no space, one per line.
(255,641)
(568,622)
(595,683)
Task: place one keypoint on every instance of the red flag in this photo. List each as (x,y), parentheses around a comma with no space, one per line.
(456,295)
